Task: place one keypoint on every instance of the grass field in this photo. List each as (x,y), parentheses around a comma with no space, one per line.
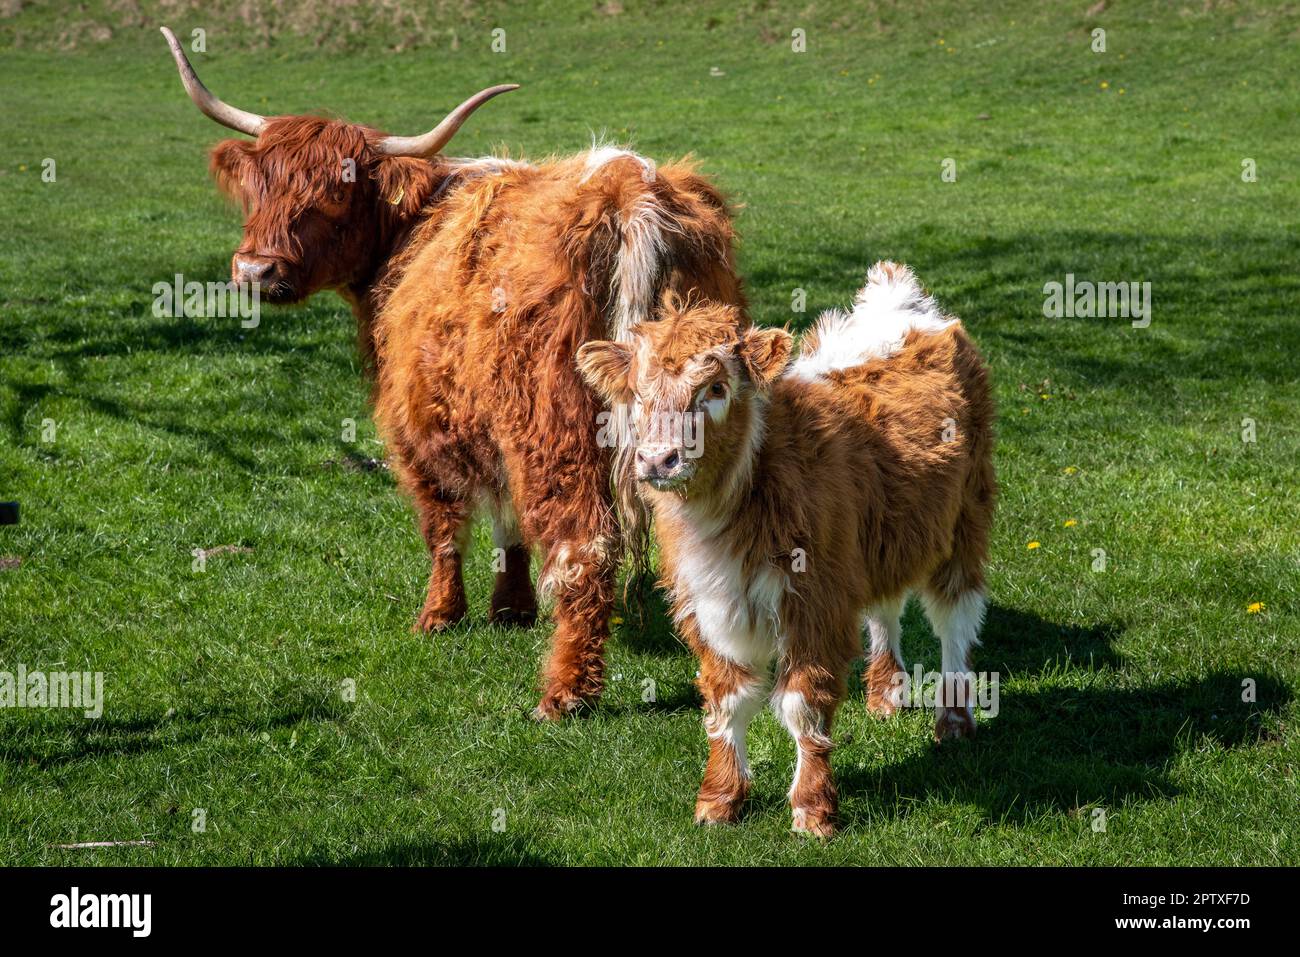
(1121,690)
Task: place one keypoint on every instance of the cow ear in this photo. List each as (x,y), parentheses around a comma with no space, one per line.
(404,184)
(230,164)
(606,366)
(766,353)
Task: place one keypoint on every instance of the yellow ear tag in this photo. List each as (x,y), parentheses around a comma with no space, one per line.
(398,198)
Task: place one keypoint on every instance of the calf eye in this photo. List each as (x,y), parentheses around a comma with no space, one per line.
(717,390)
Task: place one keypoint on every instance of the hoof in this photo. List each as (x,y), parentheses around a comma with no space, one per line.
(813,822)
(719,810)
(557,707)
(953,724)
(882,705)
(434,621)
(513,617)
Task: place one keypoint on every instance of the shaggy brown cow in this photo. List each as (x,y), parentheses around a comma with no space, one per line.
(474,282)
(816,493)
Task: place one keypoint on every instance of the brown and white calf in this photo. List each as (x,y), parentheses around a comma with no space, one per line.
(790,499)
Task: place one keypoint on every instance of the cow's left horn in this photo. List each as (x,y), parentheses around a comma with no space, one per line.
(431,142)
(206,101)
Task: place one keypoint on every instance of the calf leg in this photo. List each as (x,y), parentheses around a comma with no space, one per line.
(444,523)
(733,694)
(885,677)
(806,697)
(956,620)
(513,601)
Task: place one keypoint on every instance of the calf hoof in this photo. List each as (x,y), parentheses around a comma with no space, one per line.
(882,705)
(722,809)
(953,724)
(815,822)
(513,617)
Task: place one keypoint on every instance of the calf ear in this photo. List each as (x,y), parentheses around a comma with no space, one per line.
(229,165)
(605,366)
(766,353)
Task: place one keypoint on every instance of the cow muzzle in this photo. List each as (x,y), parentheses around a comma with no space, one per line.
(663,467)
(270,276)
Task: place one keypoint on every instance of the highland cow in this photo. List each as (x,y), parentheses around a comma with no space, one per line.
(821,492)
(474,282)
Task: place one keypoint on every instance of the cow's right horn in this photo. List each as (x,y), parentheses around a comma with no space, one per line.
(427,144)
(203,98)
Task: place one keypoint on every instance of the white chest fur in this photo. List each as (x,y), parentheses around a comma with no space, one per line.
(738,616)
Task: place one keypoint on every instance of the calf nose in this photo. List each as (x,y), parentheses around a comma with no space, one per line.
(254,270)
(657,462)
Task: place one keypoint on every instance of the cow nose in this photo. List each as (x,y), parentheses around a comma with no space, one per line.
(657,462)
(254,270)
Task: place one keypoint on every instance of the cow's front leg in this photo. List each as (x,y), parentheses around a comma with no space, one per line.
(581,576)
(807,695)
(733,694)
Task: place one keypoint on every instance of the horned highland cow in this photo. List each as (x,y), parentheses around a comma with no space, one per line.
(474,282)
(821,492)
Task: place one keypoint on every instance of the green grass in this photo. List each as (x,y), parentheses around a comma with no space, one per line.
(1121,689)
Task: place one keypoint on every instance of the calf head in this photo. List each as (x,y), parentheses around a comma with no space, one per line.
(695,380)
(324,200)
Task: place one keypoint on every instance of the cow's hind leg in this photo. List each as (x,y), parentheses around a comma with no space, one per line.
(885,678)
(956,619)
(513,600)
(444,523)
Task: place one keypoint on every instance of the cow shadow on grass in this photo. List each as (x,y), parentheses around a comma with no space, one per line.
(56,738)
(1066,749)
(1086,735)
(293,348)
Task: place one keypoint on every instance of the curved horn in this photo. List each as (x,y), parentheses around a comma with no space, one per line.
(431,142)
(208,104)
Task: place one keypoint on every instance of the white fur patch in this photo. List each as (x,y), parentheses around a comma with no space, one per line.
(486,164)
(886,629)
(958,626)
(738,618)
(730,720)
(641,255)
(886,309)
(598,156)
(803,723)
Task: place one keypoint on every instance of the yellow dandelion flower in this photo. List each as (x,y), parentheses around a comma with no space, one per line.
(616,620)
(1254,608)
(1121,91)
(1069,470)
(1071,522)
(1105,85)
(1032,545)
(1024,411)
(1044,396)
(941,41)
